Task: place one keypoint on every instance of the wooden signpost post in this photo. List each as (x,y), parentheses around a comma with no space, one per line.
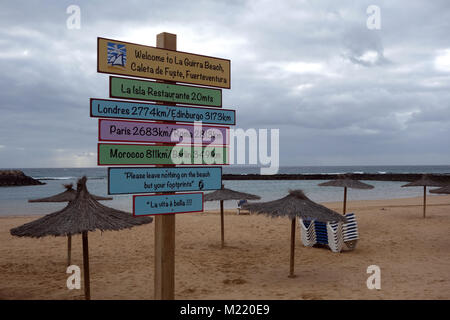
(164,281)
(159,143)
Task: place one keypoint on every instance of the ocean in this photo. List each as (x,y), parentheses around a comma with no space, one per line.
(14,200)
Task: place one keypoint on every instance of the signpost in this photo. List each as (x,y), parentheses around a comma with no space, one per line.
(144,180)
(160,132)
(164,144)
(102,108)
(167,203)
(162,92)
(141,154)
(161,63)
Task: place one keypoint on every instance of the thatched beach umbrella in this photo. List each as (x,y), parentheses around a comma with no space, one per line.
(294,205)
(81,215)
(227,194)
(424,181)
(443,190)
(67,196)
(345,182)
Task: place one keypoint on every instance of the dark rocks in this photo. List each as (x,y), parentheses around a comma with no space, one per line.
(406,177)
(16,178)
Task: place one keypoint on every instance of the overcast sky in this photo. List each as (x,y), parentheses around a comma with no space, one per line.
(340,93)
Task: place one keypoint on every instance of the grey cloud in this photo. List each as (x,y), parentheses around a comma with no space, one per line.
(375,97)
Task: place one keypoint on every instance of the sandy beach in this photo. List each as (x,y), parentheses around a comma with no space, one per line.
(413,254)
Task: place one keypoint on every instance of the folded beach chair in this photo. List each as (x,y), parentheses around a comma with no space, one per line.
(239,205)
(336,236)
(308,233)
(321,232)
(350,231)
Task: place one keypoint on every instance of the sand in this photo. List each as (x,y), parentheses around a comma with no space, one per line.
(413,254)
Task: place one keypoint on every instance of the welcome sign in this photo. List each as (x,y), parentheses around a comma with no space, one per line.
(125,58)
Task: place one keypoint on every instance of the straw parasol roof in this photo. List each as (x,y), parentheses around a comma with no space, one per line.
(223,195)
(442,190)
(81,215)
(228,194)
(68,195)
(295,204)
(345,182)
(84,213)
(424,181)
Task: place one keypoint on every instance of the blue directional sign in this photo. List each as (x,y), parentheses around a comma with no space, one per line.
(102,108)
(145,205)
(146,180)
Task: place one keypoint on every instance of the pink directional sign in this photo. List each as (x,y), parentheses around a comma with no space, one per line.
(161,132)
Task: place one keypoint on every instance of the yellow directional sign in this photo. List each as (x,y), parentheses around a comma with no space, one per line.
(118,57)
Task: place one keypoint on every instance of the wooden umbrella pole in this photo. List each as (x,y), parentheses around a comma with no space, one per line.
(69,250)
(424,200)
(87,286)
(222,231)
(345,201)
(291,270)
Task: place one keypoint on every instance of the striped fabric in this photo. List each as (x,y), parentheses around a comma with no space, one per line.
(308,233)
(335,235)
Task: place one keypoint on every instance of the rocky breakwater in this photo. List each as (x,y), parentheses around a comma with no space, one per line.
(405,177)
(16,178)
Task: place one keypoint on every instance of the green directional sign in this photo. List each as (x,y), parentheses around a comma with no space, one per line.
(140,154)
(162,92)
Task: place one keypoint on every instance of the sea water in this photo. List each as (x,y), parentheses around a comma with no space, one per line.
(14,200)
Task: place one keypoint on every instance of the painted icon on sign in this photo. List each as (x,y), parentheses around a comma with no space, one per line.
(144,205)
(117,55)
(146,180)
